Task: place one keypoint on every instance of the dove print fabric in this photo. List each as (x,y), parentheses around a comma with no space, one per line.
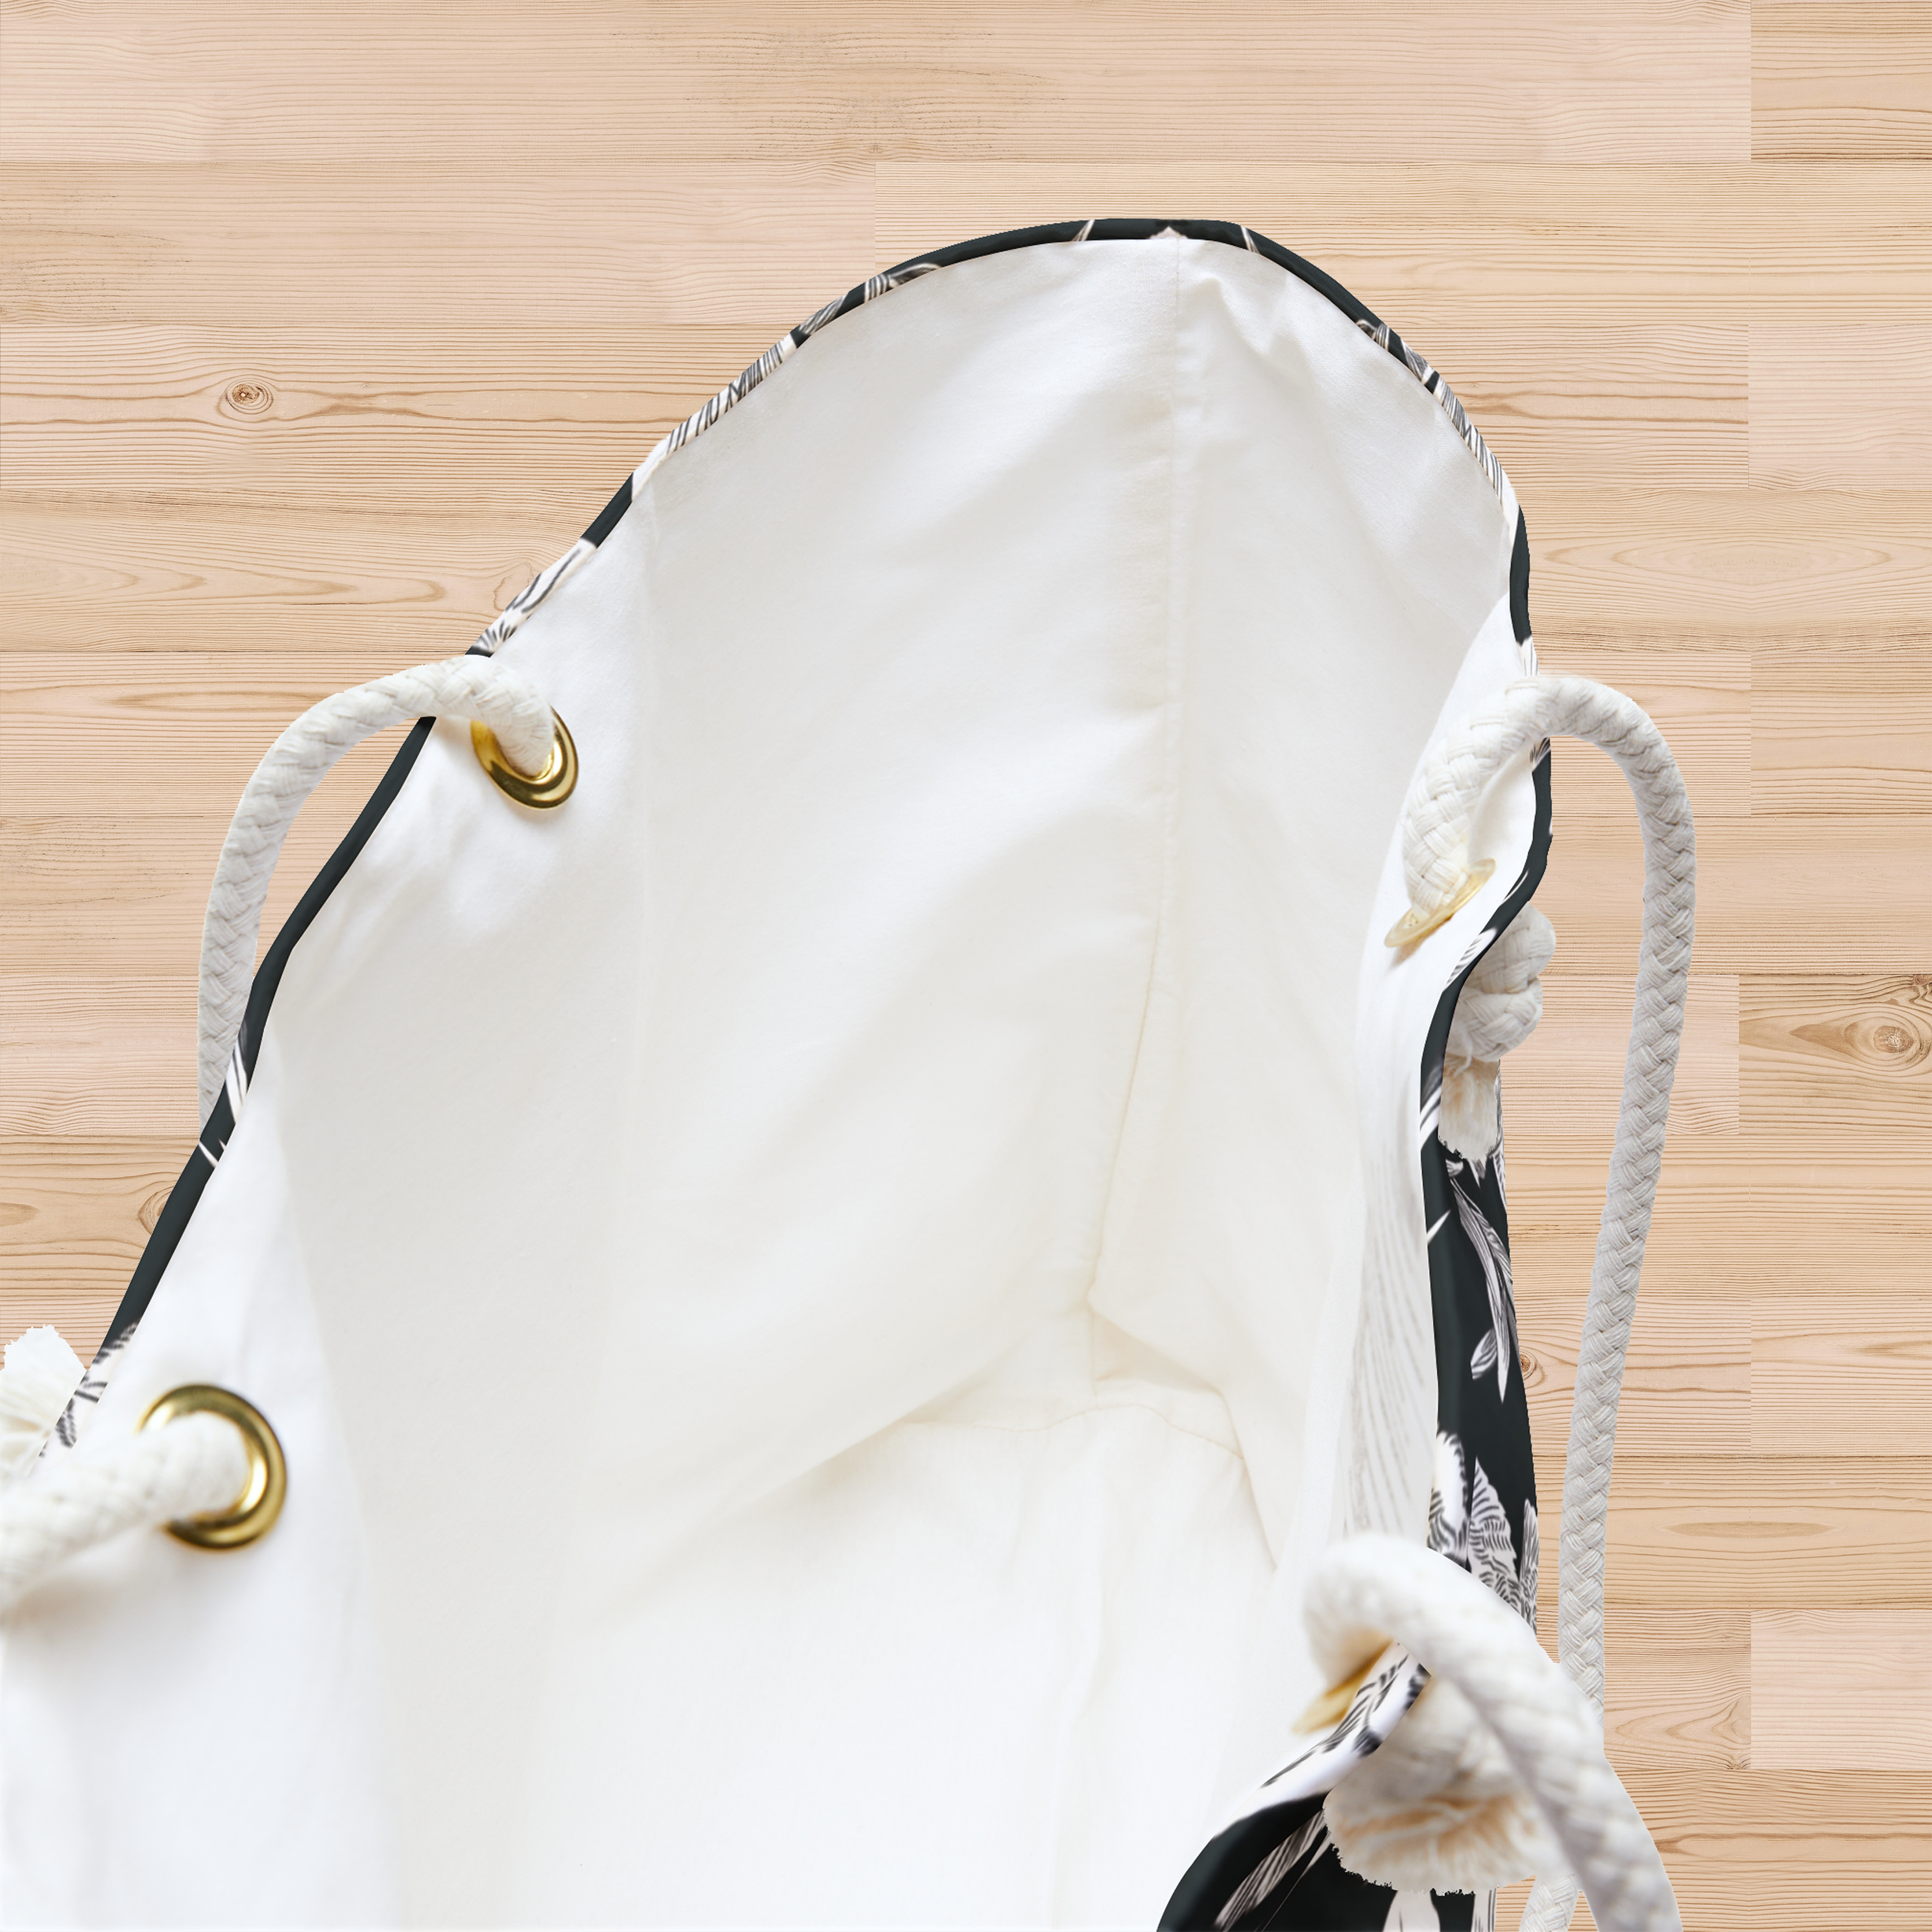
(1275,1866)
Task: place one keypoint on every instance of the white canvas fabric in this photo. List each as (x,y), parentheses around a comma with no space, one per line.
(822,1298)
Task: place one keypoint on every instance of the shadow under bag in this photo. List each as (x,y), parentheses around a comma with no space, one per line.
(849,1267)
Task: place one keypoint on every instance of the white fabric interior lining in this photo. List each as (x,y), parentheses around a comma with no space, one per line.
(819,1249)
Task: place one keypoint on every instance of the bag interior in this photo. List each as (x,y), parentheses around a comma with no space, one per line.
(812,1295)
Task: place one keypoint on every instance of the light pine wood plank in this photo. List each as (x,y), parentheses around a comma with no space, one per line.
(318,410)
(1784,894)
(1784,1218)
(77,734)
(1567,1079)
(1837,1059)
(293,244)
(129,409)
(1619,408)
(1603,246)
(1699,700)
(97,1057)
(1847,577)
(1842,1689)
(1866,893)
(1686,1380)
(1800,1851)
(393,576)
(1840,1375)
(1841,407)
(110,893)
(80,1315)
(1765,1532)
(1595,246)
(105,894)
(200,80)
(1678,1685)
(1809,589)
(1841,80)
(74,1216)
(1832,736)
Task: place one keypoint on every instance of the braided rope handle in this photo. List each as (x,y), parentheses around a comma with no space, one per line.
(1442,805)
(188,1467)
(475,687)
(1548,1732)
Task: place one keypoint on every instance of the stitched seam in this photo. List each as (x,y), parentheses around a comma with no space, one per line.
(1173,654)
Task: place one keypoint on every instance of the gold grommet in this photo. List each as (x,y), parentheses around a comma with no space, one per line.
(1414,924)
(253,1512)
(551,786)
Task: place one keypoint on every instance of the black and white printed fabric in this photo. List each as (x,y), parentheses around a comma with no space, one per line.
(822,1299)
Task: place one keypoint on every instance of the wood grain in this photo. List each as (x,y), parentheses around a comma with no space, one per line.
(74,1216)
(1767,1532)
(1800,1851)
(1823,577)
(1688,1387)
(1701,700)
(1677,1694)
(199,245)
(318,410)
(1847,407)
(1842,1689)
(1836,80)
(1850,1059)
(1776,894)
(1841,1376)
(1568,1077)
(321,407)
(328,325)
(1589,245)
(1047,80)
(1803,1852)
(1843,735)
(1774,1220)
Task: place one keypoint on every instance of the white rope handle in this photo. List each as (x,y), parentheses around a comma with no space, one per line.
(1381,1587)
(188,1467)
(1442,805)
(477,687)
(1498,1009)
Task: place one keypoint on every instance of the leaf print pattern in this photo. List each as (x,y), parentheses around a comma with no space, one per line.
(1498,1347)
(1297,1852)
(1468,1524)
(1492,1554)
(1280,1834)
(1449,1501)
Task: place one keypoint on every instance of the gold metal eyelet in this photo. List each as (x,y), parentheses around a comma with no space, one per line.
(551,786)
(1415,924)
(253,1512)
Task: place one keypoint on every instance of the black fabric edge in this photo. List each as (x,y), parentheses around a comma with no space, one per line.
(1518,580)
(1448,1320)
(212,1142)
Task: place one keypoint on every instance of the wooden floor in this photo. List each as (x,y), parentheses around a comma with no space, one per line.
(328,324)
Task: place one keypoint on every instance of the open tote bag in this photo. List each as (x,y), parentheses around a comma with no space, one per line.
(849,1267)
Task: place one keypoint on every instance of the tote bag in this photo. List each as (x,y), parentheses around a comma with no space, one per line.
(850,1266)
